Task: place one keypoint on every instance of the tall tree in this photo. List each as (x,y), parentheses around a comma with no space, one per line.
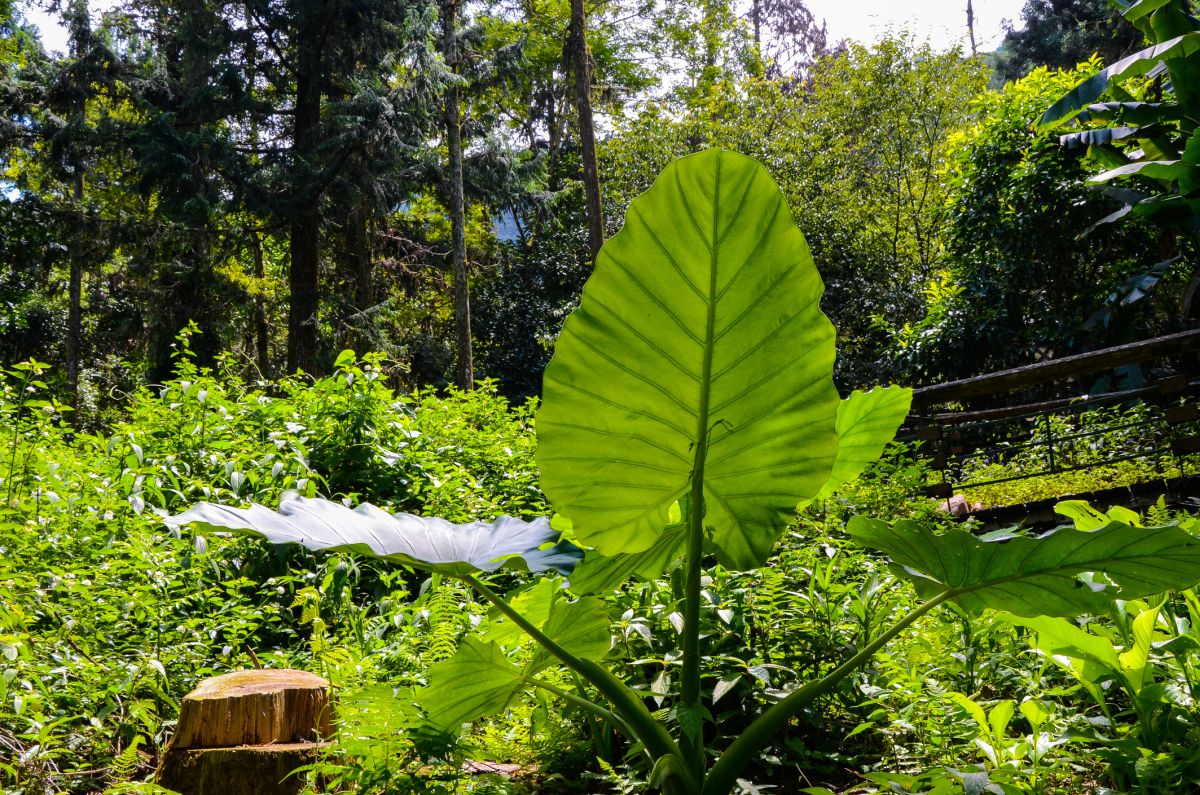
(465,369)
(787,35)
(80,26)
(1062,33)
(581,65)
(971,27)
(312,21)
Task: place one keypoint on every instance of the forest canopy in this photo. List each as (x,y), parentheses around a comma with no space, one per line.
(432,181)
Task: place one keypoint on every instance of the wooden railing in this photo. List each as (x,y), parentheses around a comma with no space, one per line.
(957,438)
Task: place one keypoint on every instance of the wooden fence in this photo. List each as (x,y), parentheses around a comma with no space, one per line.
(1045,425)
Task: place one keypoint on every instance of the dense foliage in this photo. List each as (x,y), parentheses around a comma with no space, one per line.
(196,199)
(106,620)
(1017,281)
(908,178)
(1059,34)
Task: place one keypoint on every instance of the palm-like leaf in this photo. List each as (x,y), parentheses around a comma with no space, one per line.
(1140,63)
(427,543)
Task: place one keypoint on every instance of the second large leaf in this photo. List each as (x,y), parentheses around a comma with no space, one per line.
(702,319)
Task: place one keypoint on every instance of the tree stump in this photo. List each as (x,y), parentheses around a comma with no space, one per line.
(243,733)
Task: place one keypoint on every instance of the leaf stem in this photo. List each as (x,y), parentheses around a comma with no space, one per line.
(693,729)
(582,702)
(625,702)
(689,696)
(767,726)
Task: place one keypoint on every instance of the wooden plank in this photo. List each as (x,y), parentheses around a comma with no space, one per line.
(1008,412)
(929,433)
(1188,444)
(1173,385)
(1177,415)
(1057,369)
(941,490)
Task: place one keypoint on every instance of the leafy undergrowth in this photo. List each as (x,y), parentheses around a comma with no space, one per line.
(107,620)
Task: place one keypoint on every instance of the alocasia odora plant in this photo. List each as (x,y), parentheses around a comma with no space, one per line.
(688,410)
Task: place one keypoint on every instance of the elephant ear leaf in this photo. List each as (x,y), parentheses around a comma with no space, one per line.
(866,422)
(698,350)
(582,627)
(1038,576)
(424,542)
(603,573)
(477,681)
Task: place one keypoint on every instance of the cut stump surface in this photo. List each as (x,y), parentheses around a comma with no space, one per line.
(255,708)
(243,734)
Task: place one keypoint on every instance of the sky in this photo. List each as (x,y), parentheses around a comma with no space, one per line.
(944,22)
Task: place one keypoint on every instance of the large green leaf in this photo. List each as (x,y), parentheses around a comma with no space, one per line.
(533,603)
(1134,114)
(601,573)
(1101,136)
(426,542)
(1037,576)
(583,627)
(1094,87)
(1091,659)
(1143,7)
(1166,170)
(478,680)
(866,422)
(700,323)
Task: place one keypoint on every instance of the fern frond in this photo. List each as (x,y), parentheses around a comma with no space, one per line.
(446,601)
(126,763)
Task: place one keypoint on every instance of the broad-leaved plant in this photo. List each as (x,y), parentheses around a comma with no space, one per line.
(688,410)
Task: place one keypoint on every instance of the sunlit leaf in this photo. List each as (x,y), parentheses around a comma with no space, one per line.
(426,542)
(700,323)
(1094,87)
(601,573)
(477,681)
(1037,576)
(582,627)
(533,603)
(866,422)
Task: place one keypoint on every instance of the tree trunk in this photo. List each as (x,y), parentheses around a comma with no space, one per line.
(80,25)
(255,707)
(971,26)
(261,332)
(75,298)
(305,244)
(465,375)
(756,23)
(249,770)
(577,47)
(364,278)
(245,732)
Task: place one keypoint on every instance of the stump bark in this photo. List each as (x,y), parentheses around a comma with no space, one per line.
(243,733)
